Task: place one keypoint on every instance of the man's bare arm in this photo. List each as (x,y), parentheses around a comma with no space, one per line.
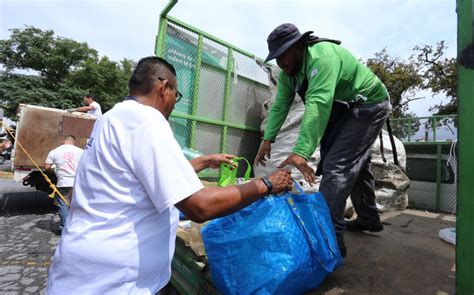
(212,202)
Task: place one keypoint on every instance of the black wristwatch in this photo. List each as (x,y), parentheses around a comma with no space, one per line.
(268,183)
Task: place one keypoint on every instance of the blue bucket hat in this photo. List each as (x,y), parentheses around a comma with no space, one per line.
(281,38)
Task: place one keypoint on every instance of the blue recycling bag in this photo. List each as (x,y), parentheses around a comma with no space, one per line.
(282,244)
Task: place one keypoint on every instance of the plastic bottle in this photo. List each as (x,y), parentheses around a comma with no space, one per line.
(190,153)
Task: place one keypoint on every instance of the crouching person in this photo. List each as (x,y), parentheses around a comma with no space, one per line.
(131,180)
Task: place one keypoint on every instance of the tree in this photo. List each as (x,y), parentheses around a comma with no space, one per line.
(427,69)
(402,79)
(440,75)
(106,79)
(30,89)
(52,57)
(64,71)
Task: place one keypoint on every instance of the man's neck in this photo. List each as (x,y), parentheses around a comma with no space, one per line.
(144,100)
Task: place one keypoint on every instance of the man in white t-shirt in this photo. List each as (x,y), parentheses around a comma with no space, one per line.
(65,158)
(92,107)
(133,176)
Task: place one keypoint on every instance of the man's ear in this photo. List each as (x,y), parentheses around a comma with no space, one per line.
(159,92)
(162,87)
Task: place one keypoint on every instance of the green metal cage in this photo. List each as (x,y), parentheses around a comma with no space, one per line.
(223,91)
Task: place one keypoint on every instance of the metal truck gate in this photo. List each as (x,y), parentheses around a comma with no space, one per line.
(223,91)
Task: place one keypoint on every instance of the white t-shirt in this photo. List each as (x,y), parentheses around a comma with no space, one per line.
(121,229)
(96,112)
(66,158)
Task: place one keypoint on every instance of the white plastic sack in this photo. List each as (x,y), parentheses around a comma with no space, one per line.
(285,141)
(448,235)
(388,151)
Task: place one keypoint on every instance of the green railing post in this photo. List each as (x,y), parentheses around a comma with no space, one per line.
(409,129)
(214,122)
(465,203)
(161,37)
(434,123)
(227,96)
(195,99)
(438,176)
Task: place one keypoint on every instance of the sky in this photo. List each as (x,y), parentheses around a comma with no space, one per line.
(127,29)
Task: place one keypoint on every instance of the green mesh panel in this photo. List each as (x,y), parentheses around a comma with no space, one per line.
(223,92)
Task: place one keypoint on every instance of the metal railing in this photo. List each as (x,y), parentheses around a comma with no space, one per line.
(430,146)
(433,128)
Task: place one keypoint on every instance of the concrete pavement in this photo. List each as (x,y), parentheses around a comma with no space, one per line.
(27,225)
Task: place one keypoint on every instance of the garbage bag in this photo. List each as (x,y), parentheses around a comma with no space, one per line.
(282,244)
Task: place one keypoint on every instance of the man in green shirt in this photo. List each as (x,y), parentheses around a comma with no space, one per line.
(346,106)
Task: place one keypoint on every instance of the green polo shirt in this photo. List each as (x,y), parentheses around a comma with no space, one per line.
(332,73)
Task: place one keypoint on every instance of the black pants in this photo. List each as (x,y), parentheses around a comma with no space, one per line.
(346,167)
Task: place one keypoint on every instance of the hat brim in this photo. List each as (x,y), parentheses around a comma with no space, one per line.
(284,47)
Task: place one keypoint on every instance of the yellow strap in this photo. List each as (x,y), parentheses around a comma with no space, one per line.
(51,185)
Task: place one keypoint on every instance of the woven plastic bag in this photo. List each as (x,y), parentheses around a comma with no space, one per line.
(282,244)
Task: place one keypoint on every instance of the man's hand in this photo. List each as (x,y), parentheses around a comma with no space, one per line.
(281,181)
(263,152)
(302,165)
(212,161)
(215,160)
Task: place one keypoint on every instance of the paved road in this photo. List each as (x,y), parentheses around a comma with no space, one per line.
(28,227)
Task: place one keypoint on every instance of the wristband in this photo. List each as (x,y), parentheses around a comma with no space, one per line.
(268,184)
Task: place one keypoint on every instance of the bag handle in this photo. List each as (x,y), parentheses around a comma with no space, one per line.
(297,186)
(249,168)
(229,174)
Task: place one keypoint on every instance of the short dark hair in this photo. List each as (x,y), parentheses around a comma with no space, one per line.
(70,137)
(89,96)
(145,73)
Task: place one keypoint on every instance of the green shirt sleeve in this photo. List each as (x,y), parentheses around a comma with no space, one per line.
(280,108)
(322,76)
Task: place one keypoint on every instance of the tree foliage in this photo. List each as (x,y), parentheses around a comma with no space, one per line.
(106,79)
(60,71)
(51,56)
(439,75)
(403,80)
(427,69)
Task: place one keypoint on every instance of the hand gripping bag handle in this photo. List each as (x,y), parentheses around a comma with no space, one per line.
(308,237)
(229,175)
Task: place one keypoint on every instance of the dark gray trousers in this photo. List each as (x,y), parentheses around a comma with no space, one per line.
(346,167)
